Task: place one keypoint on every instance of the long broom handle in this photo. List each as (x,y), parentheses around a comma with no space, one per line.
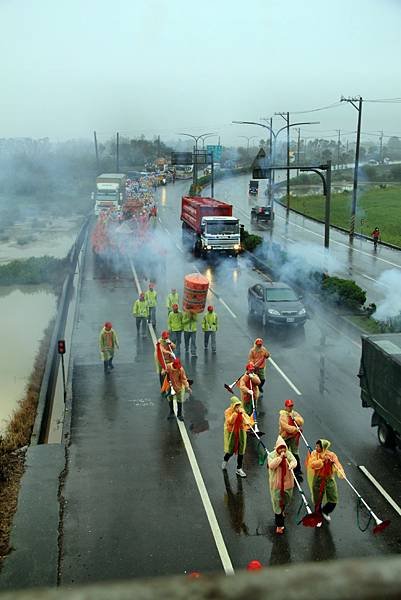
(308,509)
(361,499)
(302,436)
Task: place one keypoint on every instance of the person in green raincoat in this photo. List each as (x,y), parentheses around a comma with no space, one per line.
(280,463)
(108,343)
(322,466)
(235,425)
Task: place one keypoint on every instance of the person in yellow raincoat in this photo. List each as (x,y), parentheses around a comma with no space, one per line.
(323,465)
(108,343)
(236,423)
(281,481)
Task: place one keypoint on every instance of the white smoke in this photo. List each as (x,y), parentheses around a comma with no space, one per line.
(391,306)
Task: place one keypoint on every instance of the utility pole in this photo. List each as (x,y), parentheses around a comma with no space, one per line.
(298,147)
(357,104)
(118,153)
(286,117)
(158,146)
(338,147)
(381,148)
(96,153)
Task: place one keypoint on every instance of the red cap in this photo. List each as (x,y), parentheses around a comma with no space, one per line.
(165,335)
(176,363)
(254,565)
(258,342)
(289,403)
(175,306)
(210,308)
(108,325)
(194,575)
(250,367)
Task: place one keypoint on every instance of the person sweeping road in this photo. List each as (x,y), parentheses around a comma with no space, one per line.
(248,385)
(108,343)
(236,422)
(258,355)
(323,465)
(280,462)
(290,423)
(164,354)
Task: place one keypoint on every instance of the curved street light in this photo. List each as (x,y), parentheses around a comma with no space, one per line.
(275,135)
(202,137)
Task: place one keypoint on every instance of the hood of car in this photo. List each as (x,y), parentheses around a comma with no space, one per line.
(285,307)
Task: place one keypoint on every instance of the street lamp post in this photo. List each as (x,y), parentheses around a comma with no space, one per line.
(275,135)
(248,138)
(196,138)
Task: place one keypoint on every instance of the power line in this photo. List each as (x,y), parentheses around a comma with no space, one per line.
(386,100)
(300,112)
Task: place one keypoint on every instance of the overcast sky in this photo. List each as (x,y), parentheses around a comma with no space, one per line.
(69,67)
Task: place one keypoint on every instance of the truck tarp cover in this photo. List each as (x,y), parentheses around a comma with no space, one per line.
(380,376)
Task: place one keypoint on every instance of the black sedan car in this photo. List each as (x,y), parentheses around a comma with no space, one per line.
(276,303)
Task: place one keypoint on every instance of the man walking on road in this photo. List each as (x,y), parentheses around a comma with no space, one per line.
(180,384)
(108,343)
(151,299)
(248,384)
(174,323)
(290,423)
(281,482)
(323,465)
(190,323)
(140,311)
(236,423)
(258,355)
(210,325)
(164,354)
(172,298)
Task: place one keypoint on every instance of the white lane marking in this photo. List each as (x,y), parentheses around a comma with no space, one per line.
(368,277)
(383,492)
(207,505)
(214,526)
(284,376)
(179,248)
(227,307)
(341,332)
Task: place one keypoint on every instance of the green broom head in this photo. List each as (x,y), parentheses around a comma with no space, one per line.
(262,454)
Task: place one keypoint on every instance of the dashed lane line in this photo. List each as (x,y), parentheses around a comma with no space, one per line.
(207,505)
(383,492)
(284,376)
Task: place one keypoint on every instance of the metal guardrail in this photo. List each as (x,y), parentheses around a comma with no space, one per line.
(361,236)
(45,401)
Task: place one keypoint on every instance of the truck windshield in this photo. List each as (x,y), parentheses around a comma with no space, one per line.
(222,227)
(106,195)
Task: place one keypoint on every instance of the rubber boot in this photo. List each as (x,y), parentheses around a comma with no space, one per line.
(171,414)
(106,367)
(179,411)
(111,366)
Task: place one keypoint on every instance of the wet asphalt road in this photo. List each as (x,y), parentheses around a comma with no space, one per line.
(132,505)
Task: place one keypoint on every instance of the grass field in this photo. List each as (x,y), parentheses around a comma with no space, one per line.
(377,207)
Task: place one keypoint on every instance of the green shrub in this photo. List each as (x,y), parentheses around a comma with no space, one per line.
(34,270)
(249,241)
(344,292)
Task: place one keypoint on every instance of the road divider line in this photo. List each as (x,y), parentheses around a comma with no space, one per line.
(227,307)
(284,376)
(207,505)
(179,248)
(383,492)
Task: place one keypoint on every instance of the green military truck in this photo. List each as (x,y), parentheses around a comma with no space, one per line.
(380,381)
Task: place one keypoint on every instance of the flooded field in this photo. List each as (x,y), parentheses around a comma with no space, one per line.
(25,313)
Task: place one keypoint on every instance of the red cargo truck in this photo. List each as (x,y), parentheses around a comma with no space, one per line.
(208,226)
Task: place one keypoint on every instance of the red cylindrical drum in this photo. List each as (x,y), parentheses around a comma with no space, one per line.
(195,292)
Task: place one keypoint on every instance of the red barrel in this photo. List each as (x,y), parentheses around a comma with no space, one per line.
(195,292)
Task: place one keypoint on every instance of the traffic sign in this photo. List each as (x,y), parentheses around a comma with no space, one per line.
(217,152)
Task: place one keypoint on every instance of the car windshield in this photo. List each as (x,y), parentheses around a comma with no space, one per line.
(222,227)
(280,295)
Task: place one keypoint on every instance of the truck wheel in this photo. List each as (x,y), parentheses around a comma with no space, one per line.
(385,435)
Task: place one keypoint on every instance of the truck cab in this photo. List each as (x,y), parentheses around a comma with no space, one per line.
(219,234)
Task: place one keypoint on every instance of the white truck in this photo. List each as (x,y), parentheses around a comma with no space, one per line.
(110,191)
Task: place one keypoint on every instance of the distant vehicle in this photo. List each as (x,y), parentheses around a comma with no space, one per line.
(379,378)
(372,161)
(253,187)
(386,160)
(262,214)
(110,191)
(276,303)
